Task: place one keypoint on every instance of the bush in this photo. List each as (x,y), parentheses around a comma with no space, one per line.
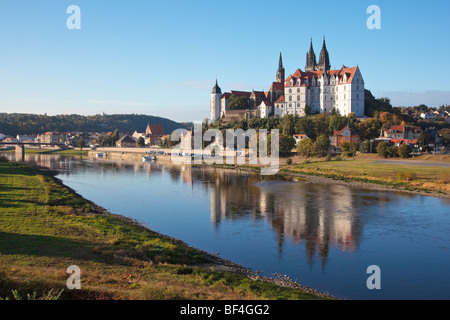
(407,176)
(404,151)
(329,157)
(3,158)
(383,149)
(393,152)
(289,161)
(304,147)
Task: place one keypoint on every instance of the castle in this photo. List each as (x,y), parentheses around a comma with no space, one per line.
(318,87)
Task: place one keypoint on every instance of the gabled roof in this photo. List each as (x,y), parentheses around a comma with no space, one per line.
(155,129)
(277,86)
(266,103)
(339,133)
(280,100)
(126,138)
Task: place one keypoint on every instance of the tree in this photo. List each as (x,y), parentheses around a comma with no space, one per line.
(404,151)
(237,103)
(287,143)
(393,152)
(383,149)
(140,142)
(369,129)
(444,134)
(304,147)
(307,110)
(81,143)
(337,123)
(116,136)
(423,140)
(287,125)
(306,126)
(321,146)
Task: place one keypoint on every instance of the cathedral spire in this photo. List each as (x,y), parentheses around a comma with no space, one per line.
(310,59)
(280,72)
(324,58)
(280,64)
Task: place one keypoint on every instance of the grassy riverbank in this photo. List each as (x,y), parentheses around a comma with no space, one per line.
(71,152)
(45,227)
(427,179)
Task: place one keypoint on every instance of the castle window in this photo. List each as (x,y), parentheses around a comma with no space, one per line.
(290,90)
(290,98)
(298,98)
(298,90)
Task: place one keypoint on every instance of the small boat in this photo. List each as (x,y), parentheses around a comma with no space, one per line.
(99,155)
(148,158)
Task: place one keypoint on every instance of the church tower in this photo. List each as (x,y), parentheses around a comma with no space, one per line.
(280,72)
(324,59)
(216,94)
(310,59)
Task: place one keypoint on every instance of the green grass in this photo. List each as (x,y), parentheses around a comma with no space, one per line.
(44,228)
(71,152)
(407,177)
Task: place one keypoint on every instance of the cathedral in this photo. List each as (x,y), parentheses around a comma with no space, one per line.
(318,89)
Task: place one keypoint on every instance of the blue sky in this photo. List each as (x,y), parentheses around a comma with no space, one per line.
(162,57)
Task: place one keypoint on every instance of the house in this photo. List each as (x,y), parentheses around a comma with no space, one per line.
(399,142)
(265,109)
(126,142)
(278,109)
(24,138)
(401,132)
(298,138)
(138,134)
(427,116)
(345,135)
(53,137)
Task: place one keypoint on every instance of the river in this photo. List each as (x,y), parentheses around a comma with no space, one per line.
(323,236)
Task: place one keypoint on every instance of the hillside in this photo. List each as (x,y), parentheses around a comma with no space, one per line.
(19,123)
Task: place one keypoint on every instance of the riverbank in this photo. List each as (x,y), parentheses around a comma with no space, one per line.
(68,152)
(46,227)
(426,180)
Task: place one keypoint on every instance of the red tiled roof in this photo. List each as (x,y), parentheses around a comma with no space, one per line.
(277,86)
(155,129)
(280,100)
(226,95)
(267,103)
(309,75)
(241,94)
(339,133)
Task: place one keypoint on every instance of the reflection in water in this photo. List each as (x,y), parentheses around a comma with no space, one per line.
(324,235)
(304,212)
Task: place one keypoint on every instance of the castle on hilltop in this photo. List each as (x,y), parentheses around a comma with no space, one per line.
(318,87)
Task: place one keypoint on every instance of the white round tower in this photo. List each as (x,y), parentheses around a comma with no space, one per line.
(216,94)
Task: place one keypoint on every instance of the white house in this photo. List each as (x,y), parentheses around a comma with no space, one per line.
(298,138)
(265,109)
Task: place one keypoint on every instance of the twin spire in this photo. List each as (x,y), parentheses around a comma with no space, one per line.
(324,59)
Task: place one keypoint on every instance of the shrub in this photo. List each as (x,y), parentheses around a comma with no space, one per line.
(407,176)
(289,161)
(383,149)
(393,152)
(404,151)
(329,157)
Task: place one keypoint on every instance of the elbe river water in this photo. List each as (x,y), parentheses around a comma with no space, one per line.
(323,236)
